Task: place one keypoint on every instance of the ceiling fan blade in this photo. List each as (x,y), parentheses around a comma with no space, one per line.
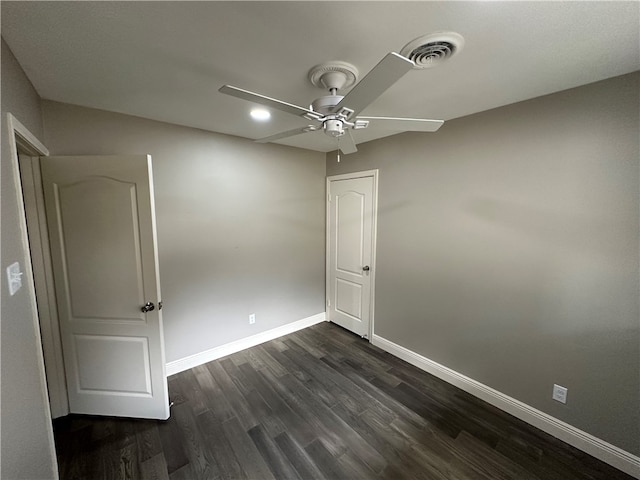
(404,124)
(390,69)
(269,102)
(346,143)
(288,133)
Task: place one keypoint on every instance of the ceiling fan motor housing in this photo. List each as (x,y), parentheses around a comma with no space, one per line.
(324,105)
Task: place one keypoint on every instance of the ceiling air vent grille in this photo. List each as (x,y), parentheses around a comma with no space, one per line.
(431,50)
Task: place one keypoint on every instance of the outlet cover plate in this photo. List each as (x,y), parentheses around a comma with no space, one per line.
(559,393)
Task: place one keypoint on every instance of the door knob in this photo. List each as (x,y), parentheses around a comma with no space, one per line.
(148,307)
(365,268)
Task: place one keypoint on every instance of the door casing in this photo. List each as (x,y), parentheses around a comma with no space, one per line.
(44,287)
(374,227)
(30,199)
(23,141)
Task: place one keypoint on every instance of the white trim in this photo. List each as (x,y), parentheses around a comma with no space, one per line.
(19,135)
(33,197)
(374,239)
(201,358)
(374,249)
(586,442)
(30,150)
(350,176)
(25,139)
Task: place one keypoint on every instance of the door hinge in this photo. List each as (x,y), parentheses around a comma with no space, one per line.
(328,303)
(329,197)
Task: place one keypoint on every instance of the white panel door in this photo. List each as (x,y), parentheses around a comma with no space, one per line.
(101,220)
(350,256)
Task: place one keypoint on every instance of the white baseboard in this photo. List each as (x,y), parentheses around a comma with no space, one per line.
(201,358)
(586,442)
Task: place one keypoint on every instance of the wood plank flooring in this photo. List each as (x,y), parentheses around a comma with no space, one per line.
(318,404)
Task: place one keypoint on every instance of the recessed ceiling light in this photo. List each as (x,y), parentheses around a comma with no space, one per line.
(260,114)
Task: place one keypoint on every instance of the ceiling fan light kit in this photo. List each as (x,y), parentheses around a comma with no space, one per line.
(337,114)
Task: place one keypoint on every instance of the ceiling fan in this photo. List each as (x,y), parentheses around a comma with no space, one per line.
(336,114)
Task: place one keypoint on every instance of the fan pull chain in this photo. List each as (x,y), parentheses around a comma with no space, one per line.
(338,150)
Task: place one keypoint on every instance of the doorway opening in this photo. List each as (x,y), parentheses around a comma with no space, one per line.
(29,190)
(22,143)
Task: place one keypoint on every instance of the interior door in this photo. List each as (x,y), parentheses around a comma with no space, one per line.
(351,221)
(101,221)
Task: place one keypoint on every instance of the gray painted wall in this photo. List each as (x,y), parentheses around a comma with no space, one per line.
(508,250)
(26,439)
(240,225)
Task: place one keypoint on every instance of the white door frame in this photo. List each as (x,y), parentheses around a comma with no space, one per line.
(26,167)
(33,197)
(20,138)
(374,237)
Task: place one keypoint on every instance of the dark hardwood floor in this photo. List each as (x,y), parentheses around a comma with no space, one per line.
(318,404)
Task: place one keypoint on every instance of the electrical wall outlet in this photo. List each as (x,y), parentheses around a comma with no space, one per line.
(559,393)
(252,318)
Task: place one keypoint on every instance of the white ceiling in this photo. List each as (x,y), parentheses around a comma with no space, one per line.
(166,60)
